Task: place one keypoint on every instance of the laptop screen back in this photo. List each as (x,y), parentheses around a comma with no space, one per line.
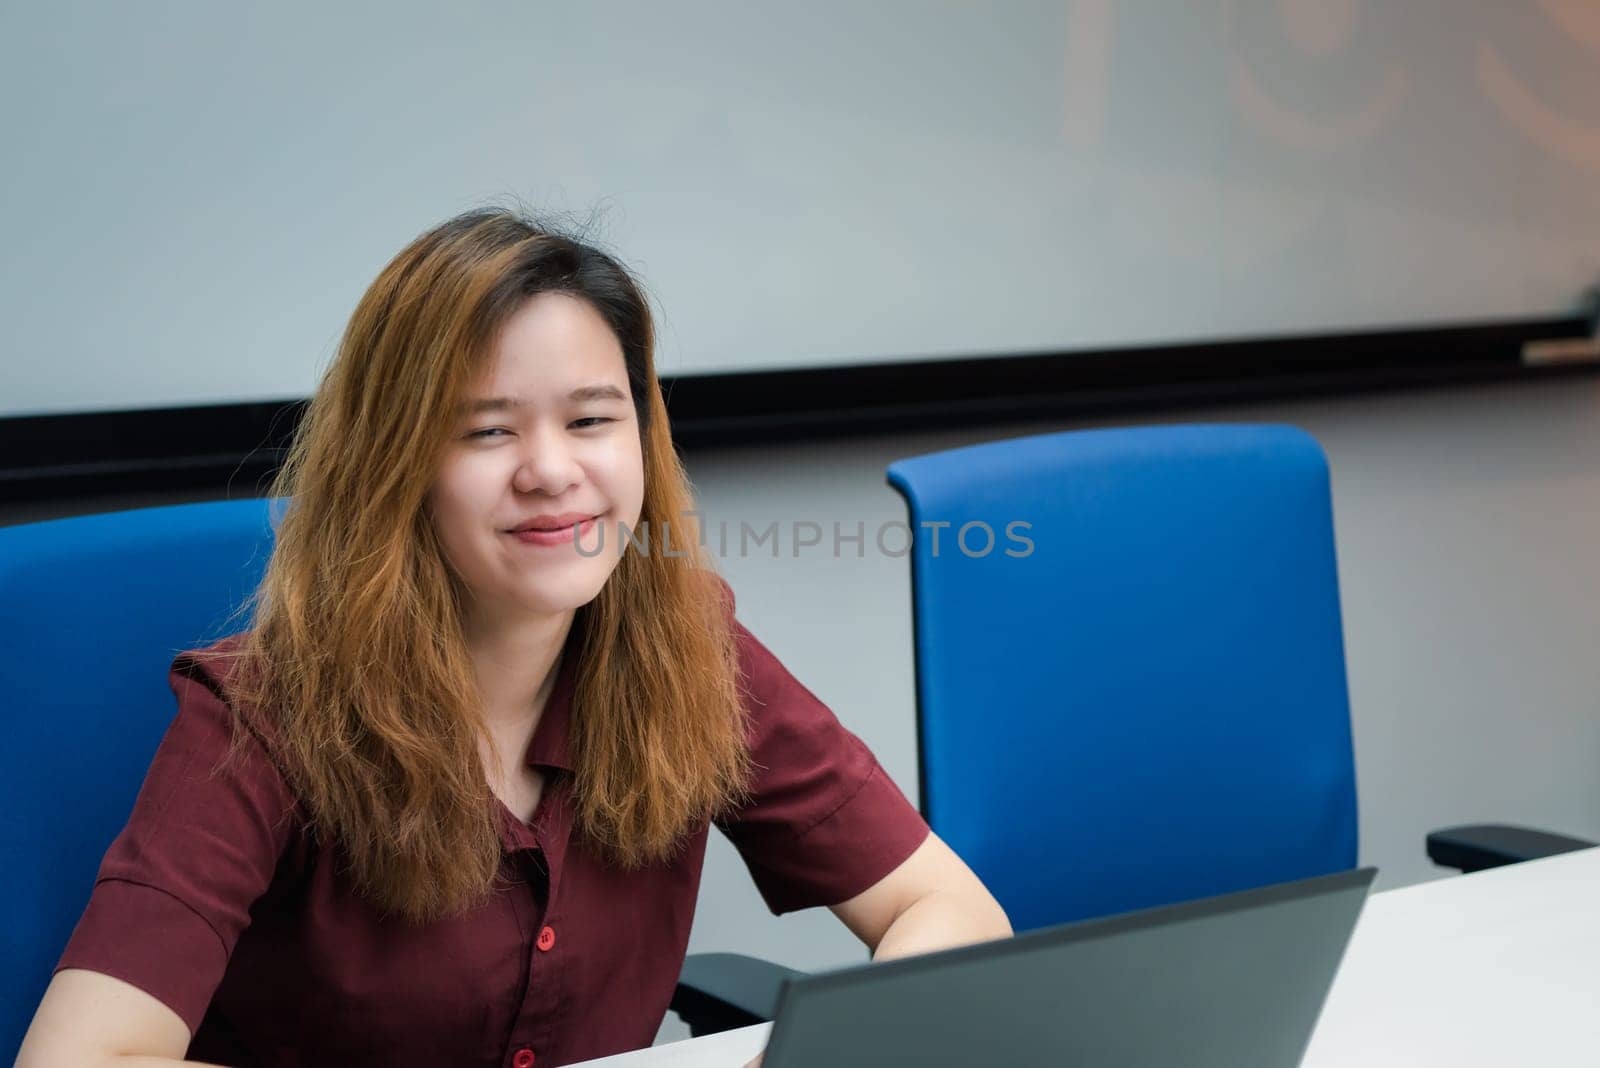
(1231,982)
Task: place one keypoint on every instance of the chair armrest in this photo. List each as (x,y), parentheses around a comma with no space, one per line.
(721,991)
(1492,845)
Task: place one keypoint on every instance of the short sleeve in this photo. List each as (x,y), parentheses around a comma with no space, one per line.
(176,886)
(824,822)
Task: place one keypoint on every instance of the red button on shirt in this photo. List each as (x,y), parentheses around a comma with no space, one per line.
(523,1058)
(219,901)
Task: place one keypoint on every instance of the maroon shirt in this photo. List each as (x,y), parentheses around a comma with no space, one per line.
(215,900)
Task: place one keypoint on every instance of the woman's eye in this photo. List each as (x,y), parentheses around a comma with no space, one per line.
(586,423)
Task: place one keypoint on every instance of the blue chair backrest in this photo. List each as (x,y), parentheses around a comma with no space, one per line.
(92,611)
(1150,706)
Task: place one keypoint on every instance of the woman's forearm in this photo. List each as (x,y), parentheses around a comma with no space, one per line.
(27,1058)
(941,920)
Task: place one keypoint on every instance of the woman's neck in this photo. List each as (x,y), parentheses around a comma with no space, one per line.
(516,664)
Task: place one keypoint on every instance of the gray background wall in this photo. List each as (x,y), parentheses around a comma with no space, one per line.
(801,184)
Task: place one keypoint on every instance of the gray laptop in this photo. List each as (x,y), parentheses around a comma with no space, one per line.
(1227,982)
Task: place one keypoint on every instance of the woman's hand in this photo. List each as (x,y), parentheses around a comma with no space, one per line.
(931,901)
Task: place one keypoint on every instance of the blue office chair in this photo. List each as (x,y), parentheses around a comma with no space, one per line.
(1138,697)
(92,611)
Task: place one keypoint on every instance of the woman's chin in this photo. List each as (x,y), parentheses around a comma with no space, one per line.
(561,594)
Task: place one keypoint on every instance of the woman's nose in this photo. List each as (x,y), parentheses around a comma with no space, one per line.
(548,464)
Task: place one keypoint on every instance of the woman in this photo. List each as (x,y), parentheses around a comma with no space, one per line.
(446,801)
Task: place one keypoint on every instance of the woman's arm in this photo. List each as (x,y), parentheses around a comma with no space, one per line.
(90,1020)
(931,901)
(174,892)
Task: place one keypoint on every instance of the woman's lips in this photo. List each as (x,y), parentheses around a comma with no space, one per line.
(558,536)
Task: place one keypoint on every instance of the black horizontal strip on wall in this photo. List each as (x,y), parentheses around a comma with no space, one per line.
(237,446)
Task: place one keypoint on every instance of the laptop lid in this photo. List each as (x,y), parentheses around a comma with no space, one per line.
(1227,982)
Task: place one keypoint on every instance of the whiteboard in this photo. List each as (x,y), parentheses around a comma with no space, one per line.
(197,193)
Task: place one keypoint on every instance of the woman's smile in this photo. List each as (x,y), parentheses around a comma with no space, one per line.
(556,535)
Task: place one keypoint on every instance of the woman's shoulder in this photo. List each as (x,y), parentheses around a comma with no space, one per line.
(213,681)
(217,661)
(219,720)
(219,667)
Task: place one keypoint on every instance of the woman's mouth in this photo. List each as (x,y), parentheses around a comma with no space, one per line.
(566,535)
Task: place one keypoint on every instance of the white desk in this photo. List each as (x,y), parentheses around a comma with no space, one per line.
(1498,968)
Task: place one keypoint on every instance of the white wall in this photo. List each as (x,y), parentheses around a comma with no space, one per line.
(196,194)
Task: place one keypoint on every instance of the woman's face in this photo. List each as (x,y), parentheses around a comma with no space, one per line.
(547,440)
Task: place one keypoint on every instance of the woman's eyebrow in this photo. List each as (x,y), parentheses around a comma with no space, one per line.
(603,391)
(490,404)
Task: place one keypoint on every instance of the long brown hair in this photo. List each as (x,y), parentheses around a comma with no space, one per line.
(356,656)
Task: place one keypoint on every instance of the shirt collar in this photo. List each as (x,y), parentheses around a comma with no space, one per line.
(551,746)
